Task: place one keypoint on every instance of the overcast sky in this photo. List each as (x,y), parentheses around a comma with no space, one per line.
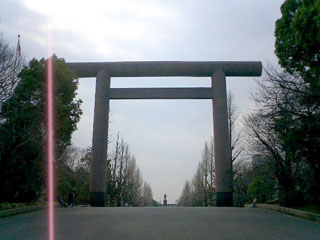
(166,136)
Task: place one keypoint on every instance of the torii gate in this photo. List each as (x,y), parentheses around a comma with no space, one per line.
(218,71)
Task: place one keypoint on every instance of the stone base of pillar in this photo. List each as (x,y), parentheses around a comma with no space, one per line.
(224,199)
(97,199)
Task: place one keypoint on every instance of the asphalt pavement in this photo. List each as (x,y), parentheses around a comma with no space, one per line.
(160,223)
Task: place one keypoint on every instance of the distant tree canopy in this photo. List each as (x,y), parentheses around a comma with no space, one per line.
(22,130)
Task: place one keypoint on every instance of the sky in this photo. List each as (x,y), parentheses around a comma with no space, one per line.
(166,136)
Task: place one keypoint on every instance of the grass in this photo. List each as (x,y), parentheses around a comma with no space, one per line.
(7,205)
(310,208)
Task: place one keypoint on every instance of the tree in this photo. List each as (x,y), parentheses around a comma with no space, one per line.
(209,178)
(236,150)
(134,184)
(198,186)
(73,169)
(73,156)
(147,197)
(298,49)
(203,182)
(185,198)
(298,38)
(258,189)
(22,132)
(241,181)
(10,66)
(287,133)
(236,146)
(124,180)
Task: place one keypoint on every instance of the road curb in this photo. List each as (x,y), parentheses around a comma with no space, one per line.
(293,212)
(16,211)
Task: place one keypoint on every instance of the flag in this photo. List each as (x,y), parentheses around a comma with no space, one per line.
(18,46)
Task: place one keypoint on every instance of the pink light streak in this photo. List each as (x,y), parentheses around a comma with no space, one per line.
(50,141)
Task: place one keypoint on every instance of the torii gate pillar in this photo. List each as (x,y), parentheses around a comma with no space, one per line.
(223,165)
(100,140)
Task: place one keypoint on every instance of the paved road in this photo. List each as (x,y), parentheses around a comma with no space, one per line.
(160,223)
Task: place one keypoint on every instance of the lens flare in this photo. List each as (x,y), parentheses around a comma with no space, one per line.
(50,141)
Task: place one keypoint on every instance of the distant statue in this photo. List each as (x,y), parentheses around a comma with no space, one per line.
(165,200)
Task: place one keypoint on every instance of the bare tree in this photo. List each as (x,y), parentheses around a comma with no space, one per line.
(241,181)
(198,186)
(205,170)
(11,64)
(278,130)
(212,175)
(147,196)
(72,156)
(124,180)
(236,145)
(203,182)
(185,198)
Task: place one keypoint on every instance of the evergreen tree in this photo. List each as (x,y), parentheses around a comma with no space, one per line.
(298,37)
(22,131)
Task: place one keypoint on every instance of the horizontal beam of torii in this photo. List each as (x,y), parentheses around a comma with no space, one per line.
(160,93)
(167,68)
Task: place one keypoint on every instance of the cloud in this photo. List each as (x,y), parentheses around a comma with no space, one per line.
(105,26)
